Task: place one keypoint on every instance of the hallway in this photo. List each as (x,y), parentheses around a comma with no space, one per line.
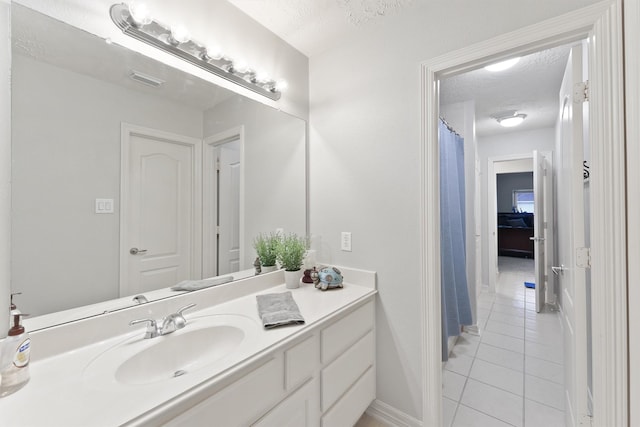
(512,374)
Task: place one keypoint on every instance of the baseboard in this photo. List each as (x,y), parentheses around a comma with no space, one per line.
(389,415)
(472,329)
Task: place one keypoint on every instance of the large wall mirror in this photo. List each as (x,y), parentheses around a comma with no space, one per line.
(130,176)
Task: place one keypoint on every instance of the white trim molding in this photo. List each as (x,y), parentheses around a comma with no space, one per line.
(5,163)
(602,20)
(391,416)
(632,88)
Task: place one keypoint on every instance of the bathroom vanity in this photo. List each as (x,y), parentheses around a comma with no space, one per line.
(222,369)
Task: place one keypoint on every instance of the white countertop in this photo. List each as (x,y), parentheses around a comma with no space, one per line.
(60,393)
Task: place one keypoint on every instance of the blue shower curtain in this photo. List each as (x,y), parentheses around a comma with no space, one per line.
(456,308)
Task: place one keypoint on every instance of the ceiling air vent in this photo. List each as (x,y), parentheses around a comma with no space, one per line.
(145,79)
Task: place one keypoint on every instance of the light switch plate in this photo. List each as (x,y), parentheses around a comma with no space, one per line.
(345,241)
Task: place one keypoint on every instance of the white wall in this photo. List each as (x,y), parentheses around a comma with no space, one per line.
(365,159)
(66,153)
(216,22)
(5,164)
(512,143)
(509,182)
(274,167)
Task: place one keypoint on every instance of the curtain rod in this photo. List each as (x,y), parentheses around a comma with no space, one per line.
(451,129)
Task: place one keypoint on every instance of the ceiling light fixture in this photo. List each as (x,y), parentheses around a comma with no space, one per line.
(511,121)
(136,22)
(503,65)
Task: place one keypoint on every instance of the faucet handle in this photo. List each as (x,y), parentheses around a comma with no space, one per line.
(186,307)
(152,327)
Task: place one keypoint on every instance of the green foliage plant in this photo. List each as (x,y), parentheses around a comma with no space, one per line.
(266,247)
(291,251)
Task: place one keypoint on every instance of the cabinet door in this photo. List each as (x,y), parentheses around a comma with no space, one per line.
(300,409)
(239,403)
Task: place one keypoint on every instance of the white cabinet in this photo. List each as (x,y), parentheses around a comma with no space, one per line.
(326,377)
(300,409)
(240,403)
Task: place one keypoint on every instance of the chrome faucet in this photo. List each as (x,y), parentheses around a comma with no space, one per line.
(175,321)
(167,325)
(152,328)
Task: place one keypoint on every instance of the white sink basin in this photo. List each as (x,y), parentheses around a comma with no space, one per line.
(205,342)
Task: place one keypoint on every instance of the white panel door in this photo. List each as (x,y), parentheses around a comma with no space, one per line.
(570,223)
(539,197)
(229,207)
(161,204)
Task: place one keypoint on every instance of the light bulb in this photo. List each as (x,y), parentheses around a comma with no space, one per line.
(180,34)
(501,66)
(241,66)
(214,52)
(262,76)
(281,85)
(140,14)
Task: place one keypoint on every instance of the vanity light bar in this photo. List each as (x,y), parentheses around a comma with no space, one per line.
(158,35)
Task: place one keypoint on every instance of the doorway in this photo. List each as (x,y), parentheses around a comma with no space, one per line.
(601,24)
(160,239)
(223,208)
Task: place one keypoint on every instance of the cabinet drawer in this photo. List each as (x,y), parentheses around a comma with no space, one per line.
(301,361)
(353,404)
(346,331)
(346,369)
(300,409)
(241,402)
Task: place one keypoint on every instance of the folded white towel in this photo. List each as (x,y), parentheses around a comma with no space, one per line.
(194,285)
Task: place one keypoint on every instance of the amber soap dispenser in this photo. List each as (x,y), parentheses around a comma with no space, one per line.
(14,367)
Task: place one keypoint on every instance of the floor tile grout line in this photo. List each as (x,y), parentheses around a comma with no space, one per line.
(488,415)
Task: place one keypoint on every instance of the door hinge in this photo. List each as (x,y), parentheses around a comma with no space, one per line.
(583,257)
(581,92)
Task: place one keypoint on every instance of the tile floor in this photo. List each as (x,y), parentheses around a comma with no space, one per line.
(512,374)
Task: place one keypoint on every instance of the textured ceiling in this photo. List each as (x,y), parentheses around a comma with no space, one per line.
(530,87)
(304,24)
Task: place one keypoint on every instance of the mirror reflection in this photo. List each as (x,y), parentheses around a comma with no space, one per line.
(130,176)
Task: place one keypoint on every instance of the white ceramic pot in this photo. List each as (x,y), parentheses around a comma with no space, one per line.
(292,279)
(268,269)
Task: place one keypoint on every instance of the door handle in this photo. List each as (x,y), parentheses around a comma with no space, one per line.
(136,251)
(558,270)
(537,239)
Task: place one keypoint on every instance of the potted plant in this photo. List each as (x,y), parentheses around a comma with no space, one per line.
(290,255)
(266,247)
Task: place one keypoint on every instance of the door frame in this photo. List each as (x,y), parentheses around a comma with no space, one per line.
(492,208)
(601,24)
(632,87)
(126,131)
(209,195)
